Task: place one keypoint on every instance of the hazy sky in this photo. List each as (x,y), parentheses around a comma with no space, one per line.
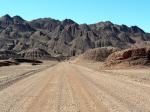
(129,12)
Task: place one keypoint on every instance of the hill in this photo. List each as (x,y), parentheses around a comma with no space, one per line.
(97,54)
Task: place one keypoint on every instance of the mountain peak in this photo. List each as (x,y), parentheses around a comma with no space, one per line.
(6,20)
(136,29)
(8,17)
(106,23)
(18,19)
(67,22)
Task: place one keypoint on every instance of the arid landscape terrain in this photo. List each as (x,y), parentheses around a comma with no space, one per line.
(48,65)
(73,87)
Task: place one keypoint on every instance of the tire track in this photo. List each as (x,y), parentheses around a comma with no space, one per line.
(86,101)
(26,90)
(11,80)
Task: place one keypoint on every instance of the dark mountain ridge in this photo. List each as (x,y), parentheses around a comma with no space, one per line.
(66,37)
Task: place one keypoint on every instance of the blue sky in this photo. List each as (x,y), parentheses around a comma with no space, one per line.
(129,12)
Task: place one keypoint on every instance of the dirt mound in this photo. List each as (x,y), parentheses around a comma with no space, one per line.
(97,54)
(7,63)
(129,57)
(27,61)
(18,61)
(35,53)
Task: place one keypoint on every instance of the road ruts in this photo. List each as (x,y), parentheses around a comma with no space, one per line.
(69,87)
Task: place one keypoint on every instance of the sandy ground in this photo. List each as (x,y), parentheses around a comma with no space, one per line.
(7,71)
(139,74)
(11,74)
(69,87)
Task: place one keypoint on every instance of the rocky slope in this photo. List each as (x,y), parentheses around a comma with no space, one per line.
(97,54)
(35,54)
(129,57)
(65,37)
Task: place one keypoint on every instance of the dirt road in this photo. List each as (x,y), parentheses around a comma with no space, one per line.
(68,87)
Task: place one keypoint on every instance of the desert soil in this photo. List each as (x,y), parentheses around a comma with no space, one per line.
(68,87)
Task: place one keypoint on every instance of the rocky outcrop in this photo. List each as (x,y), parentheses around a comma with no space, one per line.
(130,57)
(35,53)
(7,54)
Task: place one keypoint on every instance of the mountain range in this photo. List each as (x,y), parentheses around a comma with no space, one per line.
(47,36)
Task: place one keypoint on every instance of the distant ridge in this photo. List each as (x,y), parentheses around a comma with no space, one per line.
(66,38)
